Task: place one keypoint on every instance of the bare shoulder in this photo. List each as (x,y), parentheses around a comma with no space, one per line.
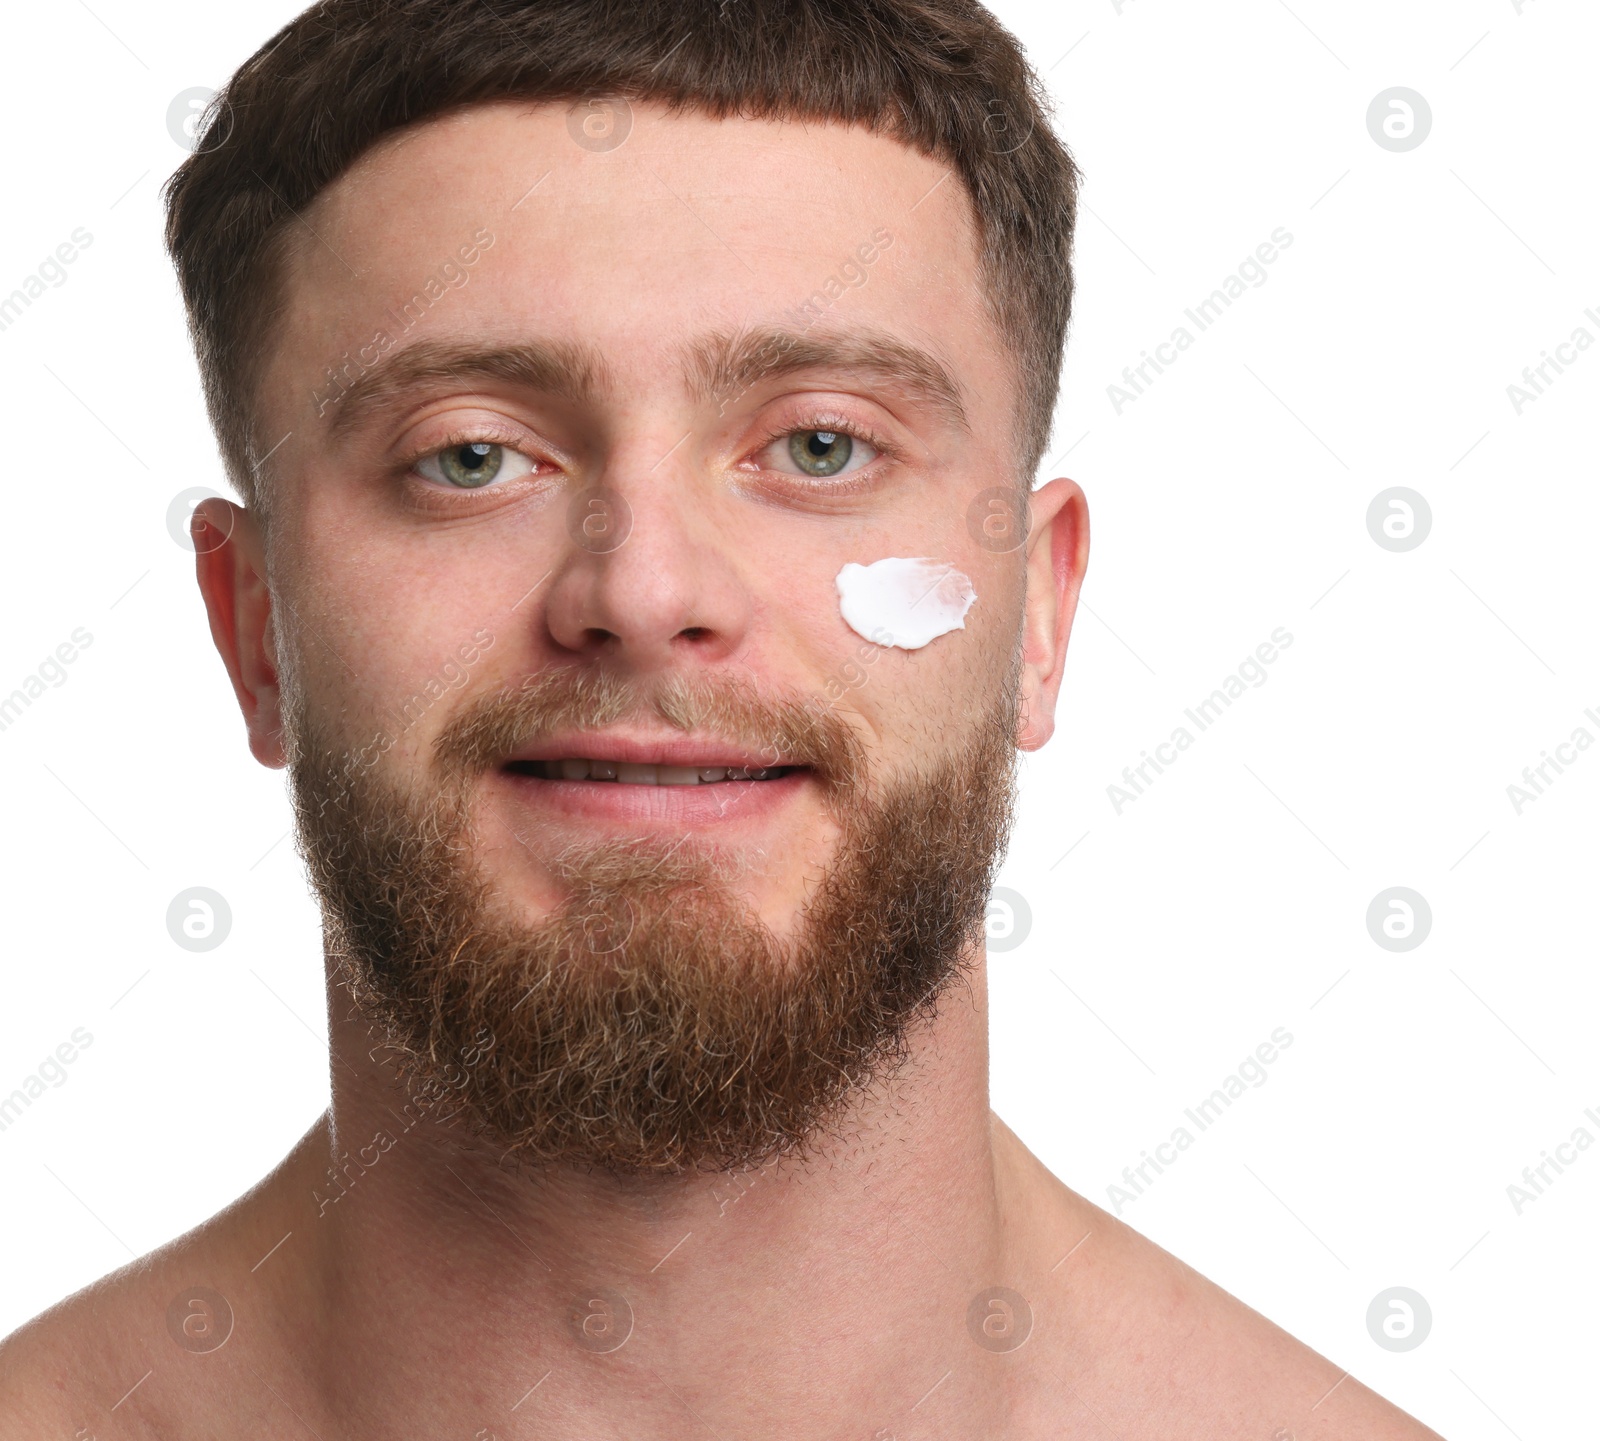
(1139,1343)
(126,1353)
(62,1372)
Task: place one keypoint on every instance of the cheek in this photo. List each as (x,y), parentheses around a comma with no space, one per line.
(904,602)
(391,645)
(990,650)
(954,683)
(952,608)
(919,701)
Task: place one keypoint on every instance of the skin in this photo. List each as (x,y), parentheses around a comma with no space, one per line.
(826,1300)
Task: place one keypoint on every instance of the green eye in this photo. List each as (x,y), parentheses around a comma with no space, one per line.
(471,466)
(821,452)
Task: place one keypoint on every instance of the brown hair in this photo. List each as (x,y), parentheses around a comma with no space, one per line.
(942,76)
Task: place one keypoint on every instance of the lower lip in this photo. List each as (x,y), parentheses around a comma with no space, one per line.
(719,803)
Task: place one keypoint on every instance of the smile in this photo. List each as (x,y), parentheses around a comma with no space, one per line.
(636,774)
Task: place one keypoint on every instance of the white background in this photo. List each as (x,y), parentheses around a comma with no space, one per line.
(1229,499)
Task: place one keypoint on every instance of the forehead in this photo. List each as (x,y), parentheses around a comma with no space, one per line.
(506,220)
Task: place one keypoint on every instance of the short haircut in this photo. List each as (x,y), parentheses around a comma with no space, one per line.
(941,76)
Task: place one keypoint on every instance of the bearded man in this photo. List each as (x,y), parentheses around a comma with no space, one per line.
(636,410)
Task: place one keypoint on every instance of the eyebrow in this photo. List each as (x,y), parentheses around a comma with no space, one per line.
(720,367)
(724,365)
(566,369)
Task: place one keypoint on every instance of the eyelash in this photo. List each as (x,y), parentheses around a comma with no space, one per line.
(474,435)
(492,435)
(840,424)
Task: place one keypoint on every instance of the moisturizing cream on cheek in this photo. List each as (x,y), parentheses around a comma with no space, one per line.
(904,601)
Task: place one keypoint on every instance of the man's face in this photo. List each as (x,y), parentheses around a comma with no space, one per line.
(647,574)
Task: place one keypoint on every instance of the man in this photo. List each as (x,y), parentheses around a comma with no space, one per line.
(636,409)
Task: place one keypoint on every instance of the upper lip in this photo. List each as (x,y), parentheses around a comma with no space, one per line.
(625,749)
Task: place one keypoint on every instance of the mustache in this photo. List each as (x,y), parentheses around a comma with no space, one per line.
(789,728)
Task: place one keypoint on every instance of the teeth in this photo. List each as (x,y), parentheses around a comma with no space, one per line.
(649,775)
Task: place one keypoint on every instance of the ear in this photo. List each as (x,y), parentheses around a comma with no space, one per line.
(1057,557)
(230,564)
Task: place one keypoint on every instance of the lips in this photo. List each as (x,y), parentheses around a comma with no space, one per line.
(643,760)
(598,779)
(642,773)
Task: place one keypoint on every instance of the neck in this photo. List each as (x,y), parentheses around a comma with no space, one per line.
(559,1294)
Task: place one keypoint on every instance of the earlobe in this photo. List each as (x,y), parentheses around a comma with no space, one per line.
(230,567)
(1057,557)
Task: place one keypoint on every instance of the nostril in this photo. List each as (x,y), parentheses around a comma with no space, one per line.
(694,632)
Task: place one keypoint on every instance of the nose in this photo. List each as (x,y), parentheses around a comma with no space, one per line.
(647,575)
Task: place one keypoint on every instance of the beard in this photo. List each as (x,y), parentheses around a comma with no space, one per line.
(652,1023)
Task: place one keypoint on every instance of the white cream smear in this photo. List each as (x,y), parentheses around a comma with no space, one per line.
(904,601)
